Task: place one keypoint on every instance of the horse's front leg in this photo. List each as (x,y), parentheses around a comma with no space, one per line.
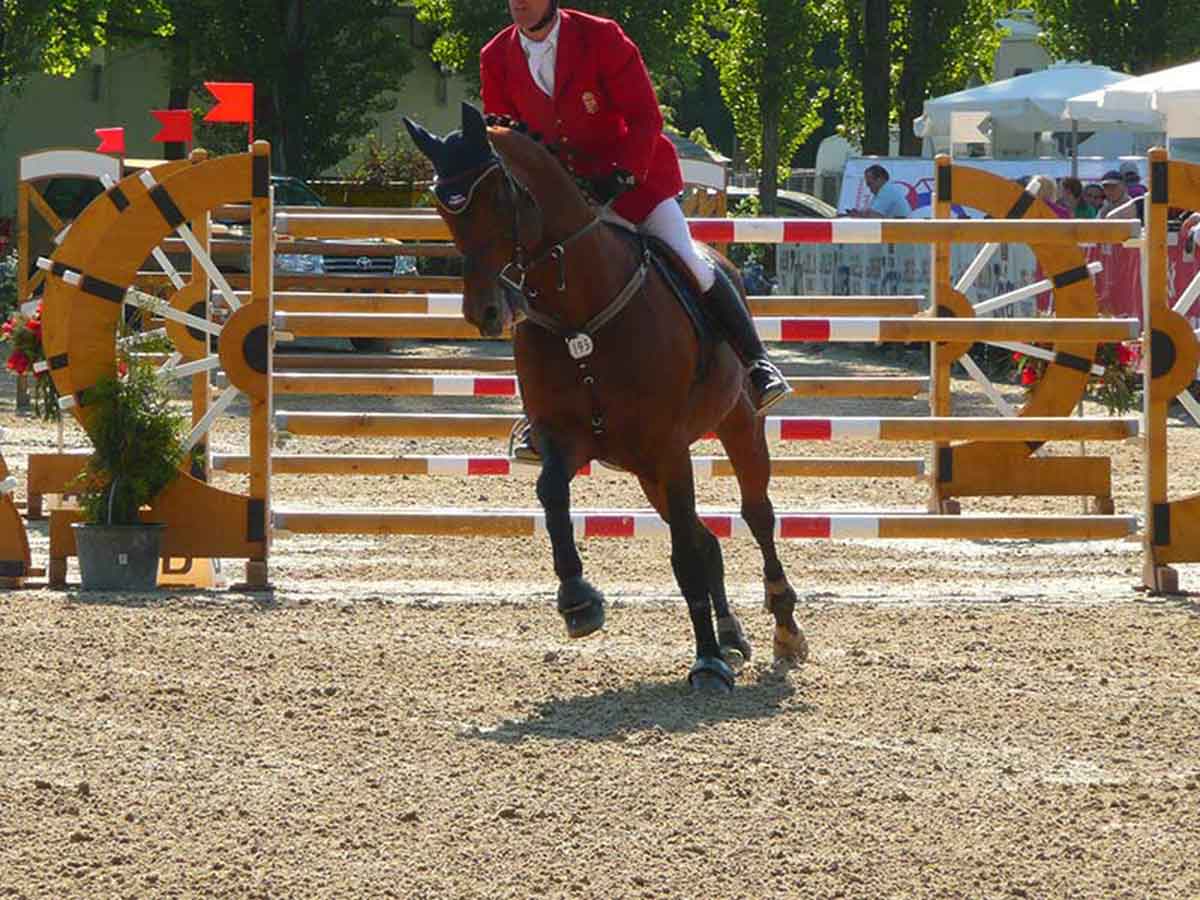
(580,604)
(688,548)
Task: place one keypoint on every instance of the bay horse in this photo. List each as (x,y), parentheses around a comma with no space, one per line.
(611,368)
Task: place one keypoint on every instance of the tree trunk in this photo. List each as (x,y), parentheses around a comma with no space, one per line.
(290,96)
(768,185)
(876,76)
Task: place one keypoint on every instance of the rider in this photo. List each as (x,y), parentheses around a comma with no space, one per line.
(580,81)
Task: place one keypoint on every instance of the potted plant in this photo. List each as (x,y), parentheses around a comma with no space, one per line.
(139,441)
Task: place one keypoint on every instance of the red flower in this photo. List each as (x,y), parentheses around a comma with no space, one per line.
(1028,376)
(34,325)
(7,327)
(18,362)
(1018,356)
(1126,355)
(122,368)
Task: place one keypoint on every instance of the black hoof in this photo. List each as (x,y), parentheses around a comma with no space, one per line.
(710,675)
(581,606)
(735,648)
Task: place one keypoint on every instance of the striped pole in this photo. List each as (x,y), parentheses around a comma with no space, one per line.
(791,330)
(647,524)
(780,428)
(703,467)
(393,385)
(765,231)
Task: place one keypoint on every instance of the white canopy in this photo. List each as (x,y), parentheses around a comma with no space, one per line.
(1170,98)
(1033,102)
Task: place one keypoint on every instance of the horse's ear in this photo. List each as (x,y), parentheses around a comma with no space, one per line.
(474,128)
(426,142)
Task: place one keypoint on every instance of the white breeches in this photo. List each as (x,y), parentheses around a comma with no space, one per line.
(666,222)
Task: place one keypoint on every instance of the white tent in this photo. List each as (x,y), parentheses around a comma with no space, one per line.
(1170,98)
(1028,103)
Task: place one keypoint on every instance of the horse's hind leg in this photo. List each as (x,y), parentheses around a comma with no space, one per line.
(734,646)
(742,434)
(709,672)
(580,604)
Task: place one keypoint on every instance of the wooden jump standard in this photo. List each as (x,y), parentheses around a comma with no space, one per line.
(1172,531)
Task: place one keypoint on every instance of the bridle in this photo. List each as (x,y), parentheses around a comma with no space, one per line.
(514,276)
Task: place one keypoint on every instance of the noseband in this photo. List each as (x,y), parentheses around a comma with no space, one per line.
(521,297)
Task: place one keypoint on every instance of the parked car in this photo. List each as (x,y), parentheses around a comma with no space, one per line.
(789,204)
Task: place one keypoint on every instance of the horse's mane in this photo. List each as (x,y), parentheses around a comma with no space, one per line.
(536,166)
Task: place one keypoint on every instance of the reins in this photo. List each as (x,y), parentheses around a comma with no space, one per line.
(580,340)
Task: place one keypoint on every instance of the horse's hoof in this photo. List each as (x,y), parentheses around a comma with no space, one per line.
(581,606)
(789,646)
(733,640)
(710,675)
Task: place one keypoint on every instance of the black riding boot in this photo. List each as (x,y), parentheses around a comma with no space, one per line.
(767,384)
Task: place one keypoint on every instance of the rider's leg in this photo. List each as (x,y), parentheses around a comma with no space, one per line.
(768,386)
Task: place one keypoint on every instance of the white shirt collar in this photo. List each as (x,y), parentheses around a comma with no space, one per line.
(542,47)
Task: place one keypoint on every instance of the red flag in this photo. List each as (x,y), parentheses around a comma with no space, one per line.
(112,140)
(176,126)
(235,101)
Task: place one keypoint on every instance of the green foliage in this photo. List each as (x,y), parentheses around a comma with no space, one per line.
(322,71)
(139,444)
(659,29)
(381,164)
(935,48)
(1131,37)
(8,282)
(1116,389)
(57,36)
(763,53)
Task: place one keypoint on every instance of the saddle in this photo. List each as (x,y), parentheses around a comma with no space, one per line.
(685,289)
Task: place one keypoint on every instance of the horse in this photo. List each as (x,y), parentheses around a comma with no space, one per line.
(611,369)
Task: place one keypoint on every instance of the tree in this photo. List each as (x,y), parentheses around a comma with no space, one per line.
(1132,37)
(660,30)
(55,36)
(320,69)
(897,53)
(763,52)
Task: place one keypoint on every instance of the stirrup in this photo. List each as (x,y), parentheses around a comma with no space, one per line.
(767,385)
(520,442)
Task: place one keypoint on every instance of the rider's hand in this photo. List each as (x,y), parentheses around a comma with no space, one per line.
(608,187)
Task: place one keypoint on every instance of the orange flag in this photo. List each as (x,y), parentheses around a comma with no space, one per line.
(112,140)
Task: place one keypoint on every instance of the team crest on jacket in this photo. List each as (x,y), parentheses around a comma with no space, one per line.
(589,103)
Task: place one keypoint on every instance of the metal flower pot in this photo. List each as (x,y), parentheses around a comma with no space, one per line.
(118,557)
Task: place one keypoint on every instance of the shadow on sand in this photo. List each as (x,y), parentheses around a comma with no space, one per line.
(640,711)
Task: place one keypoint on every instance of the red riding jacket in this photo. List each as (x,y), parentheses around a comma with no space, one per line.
(604,112)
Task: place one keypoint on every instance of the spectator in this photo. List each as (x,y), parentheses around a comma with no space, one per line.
(1071,196)
(1133,178)
(890,201)
(1117,202)
(1093,195)
(1047,192)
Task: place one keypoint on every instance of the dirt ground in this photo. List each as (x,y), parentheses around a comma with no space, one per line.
(404,717)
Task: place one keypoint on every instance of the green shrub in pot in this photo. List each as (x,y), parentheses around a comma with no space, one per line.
(139,439)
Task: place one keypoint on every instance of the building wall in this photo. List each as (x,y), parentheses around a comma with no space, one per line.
(121,88)
(110,90)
